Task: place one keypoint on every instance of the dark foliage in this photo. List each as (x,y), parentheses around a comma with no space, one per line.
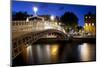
(19,16)
(70,19)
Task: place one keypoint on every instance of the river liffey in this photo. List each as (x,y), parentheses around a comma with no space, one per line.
(52,53)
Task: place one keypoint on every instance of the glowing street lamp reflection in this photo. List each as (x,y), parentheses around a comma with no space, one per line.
(29,54)
(43,53)
(84,52)
(54,50)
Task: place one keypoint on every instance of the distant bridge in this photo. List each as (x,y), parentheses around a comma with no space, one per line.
(23,41)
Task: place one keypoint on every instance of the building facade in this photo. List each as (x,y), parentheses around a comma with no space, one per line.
(90,23)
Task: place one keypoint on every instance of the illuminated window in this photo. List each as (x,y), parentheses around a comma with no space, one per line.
(86,24)
(89,24)
(92,24)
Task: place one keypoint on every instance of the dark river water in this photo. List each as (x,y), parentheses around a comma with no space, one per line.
(56,53)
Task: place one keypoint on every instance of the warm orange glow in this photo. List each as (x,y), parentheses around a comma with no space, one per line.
(89,24)
(54,49)
(88,27)
(54,52)
(86,24)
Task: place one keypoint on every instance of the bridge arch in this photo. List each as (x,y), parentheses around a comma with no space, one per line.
(57,33)
(23,41)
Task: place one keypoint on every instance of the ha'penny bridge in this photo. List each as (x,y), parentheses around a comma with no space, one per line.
(25,33)
(21,42)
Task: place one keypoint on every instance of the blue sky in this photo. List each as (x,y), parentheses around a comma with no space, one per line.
(54,9)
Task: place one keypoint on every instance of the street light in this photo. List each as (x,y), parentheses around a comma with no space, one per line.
(35,9)
(52,18)
(59,23)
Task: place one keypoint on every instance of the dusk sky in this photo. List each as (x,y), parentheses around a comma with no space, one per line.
(53,9)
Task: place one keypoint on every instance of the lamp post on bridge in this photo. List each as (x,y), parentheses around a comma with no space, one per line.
(35,9)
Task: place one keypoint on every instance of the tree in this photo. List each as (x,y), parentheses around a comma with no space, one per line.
(19,16)
(79,28)
(69,19)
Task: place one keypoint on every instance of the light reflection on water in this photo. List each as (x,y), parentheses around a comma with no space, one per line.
(43,53)
(29,54)
(86,51)
(56,53)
